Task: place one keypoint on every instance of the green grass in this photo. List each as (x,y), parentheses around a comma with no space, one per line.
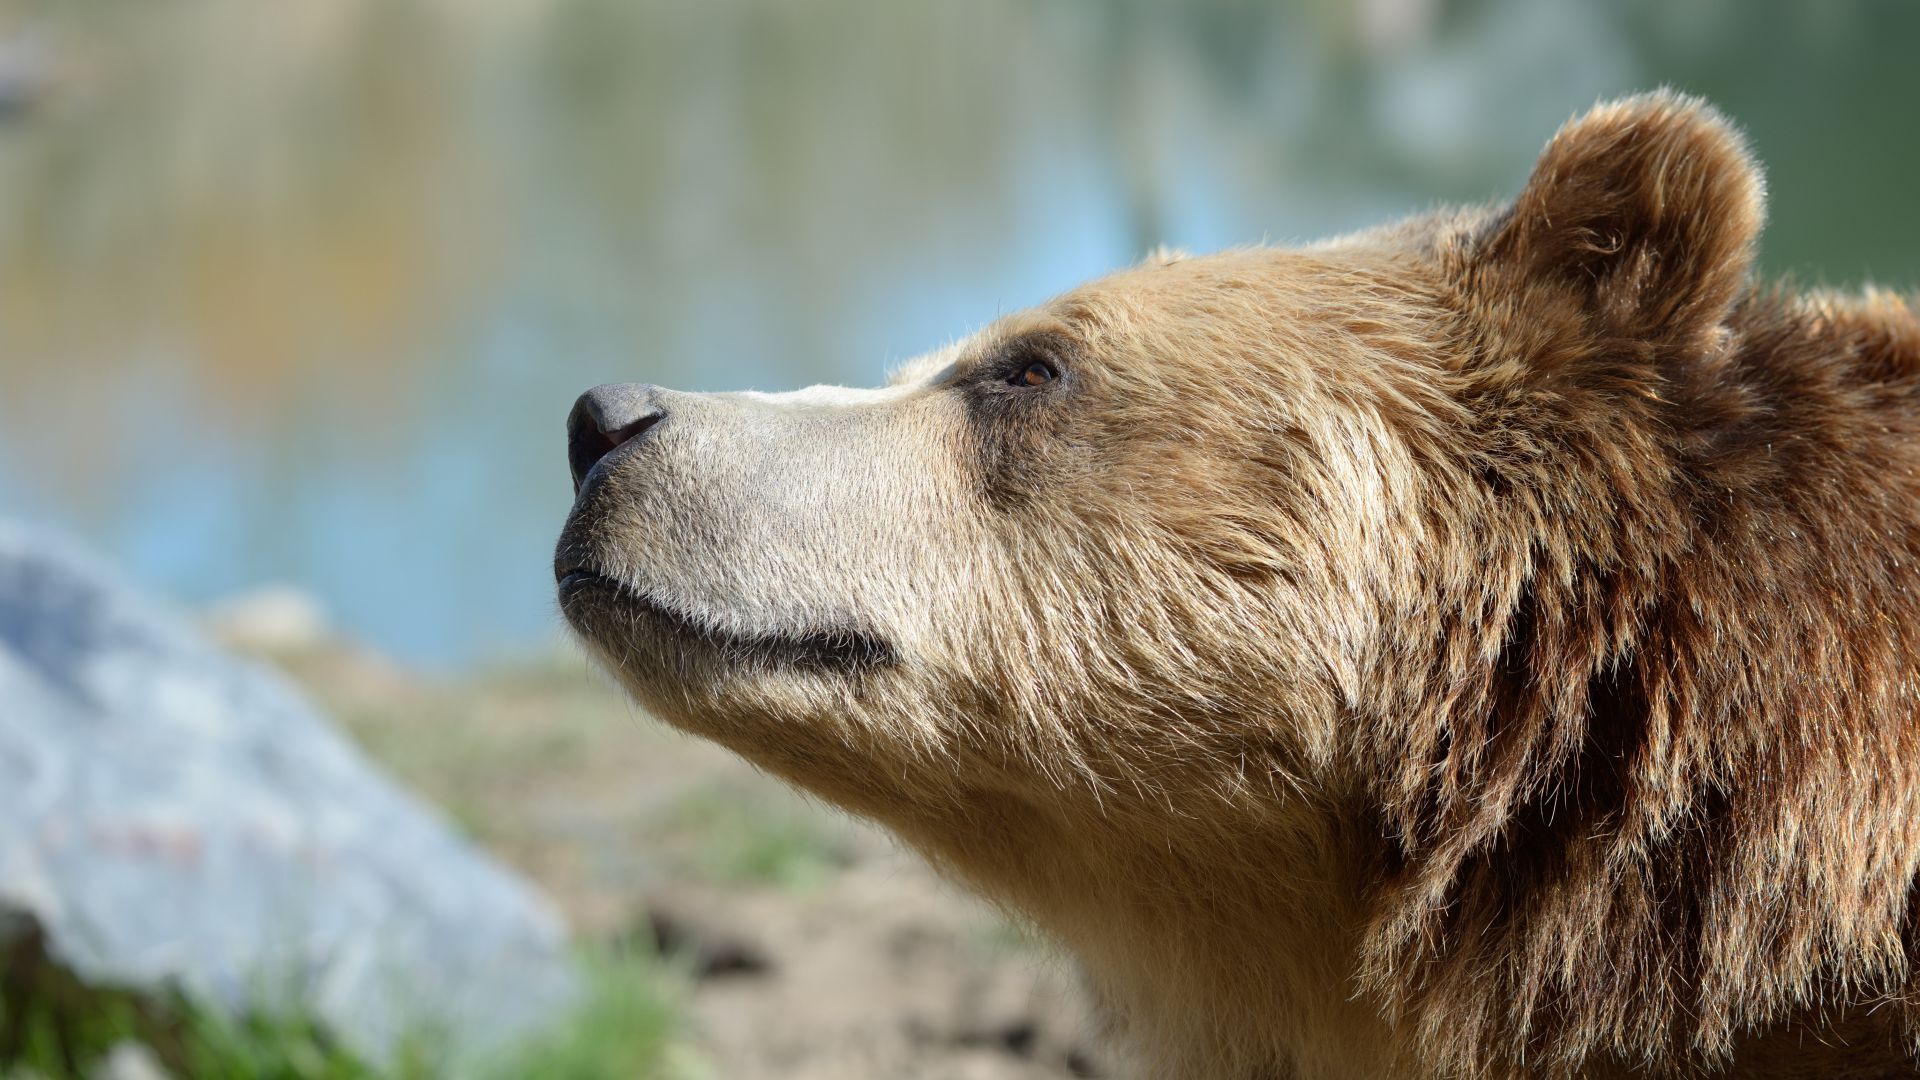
(748,840)
(622,1028)
(280,1046)
(190,1041)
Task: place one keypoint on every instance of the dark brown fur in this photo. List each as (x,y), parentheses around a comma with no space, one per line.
(1658,791)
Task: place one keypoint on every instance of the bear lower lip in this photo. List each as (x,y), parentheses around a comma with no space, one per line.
(827,648)
(575,579)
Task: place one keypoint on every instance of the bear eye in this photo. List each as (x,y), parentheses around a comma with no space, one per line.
(1036,373)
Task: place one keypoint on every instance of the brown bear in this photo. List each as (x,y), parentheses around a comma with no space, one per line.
(1484,646)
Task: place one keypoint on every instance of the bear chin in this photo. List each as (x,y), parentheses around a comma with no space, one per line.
(636,624)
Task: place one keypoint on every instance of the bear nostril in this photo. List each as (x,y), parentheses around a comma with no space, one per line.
(605,418)
(632,431)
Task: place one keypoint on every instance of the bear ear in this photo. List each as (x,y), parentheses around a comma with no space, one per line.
(1644,212)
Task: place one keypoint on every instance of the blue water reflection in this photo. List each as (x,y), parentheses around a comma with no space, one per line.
(312,310)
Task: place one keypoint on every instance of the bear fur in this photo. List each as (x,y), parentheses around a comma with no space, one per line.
(1485,646)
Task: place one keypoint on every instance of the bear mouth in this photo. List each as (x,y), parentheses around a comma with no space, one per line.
(586,595)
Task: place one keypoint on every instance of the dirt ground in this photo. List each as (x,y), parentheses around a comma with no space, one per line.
(806,946)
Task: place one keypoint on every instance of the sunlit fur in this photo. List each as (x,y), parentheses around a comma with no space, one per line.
(1483,646)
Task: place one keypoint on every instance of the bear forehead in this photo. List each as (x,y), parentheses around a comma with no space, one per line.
(1245,283)
(1212,305)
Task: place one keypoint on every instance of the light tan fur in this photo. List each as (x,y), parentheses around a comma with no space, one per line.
(1357,657)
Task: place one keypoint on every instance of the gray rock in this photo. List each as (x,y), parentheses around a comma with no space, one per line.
(173,816)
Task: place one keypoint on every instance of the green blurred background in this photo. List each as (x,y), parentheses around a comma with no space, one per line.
(301,291)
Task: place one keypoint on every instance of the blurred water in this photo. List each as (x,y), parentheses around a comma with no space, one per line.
(300,292)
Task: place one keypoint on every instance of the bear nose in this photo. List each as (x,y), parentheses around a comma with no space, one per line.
(604,418)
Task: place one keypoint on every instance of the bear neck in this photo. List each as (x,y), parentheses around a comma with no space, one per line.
(1222,952)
